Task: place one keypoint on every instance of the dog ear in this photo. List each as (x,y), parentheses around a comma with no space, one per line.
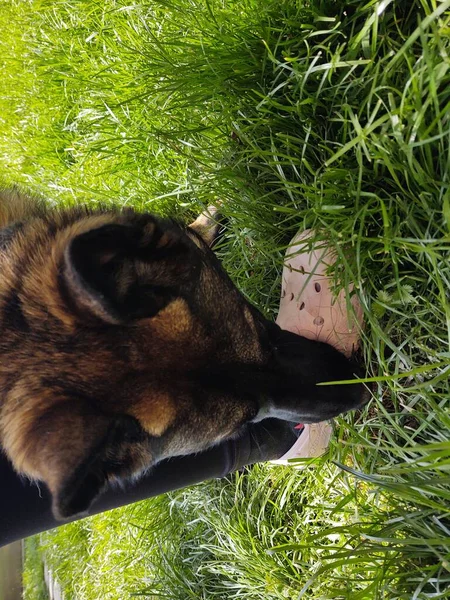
(121,454)
(208,225)
(77,451)
(121,272)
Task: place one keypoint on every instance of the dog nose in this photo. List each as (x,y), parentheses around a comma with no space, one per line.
(366,396)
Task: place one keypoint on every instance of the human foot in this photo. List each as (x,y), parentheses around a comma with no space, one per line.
(309,308)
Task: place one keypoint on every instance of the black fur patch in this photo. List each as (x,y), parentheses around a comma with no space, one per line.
(12,314)
(7,234)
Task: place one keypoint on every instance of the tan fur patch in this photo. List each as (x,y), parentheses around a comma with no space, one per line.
(155,413)
(14,207)
(164,241)
(250,320)
(174,322)
(17,422)
(205,225)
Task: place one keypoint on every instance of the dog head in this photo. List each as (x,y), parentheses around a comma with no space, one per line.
(123,342)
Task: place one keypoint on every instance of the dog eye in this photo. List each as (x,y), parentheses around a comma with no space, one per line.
(275,352)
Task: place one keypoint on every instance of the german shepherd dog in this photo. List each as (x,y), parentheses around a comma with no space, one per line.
(123,342)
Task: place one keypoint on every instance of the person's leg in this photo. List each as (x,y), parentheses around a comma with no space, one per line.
(25,508)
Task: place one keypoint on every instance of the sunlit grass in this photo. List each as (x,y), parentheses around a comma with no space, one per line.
(317,114)
(34,587)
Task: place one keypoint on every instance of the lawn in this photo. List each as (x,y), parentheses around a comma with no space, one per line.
(291,113)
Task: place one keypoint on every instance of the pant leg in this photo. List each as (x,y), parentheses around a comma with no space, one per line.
(25,507)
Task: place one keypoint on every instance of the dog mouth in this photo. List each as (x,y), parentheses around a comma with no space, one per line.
(270,409)
(278,411)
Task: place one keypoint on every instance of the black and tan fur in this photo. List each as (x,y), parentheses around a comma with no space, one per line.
(123,342)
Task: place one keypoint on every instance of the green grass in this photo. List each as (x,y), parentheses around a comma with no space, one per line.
(34,587)
(293,114)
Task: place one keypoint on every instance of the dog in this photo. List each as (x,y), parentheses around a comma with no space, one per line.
(123,342)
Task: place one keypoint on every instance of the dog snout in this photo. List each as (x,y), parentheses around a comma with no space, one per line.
(298,367)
